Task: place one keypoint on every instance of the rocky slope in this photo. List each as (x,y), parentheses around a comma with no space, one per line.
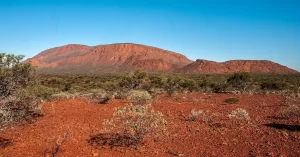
(120,58)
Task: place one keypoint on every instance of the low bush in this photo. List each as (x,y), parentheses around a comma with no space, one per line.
(61,95)
(240,114)
(135,122)
(274,85)
(231,100)
(219,87)
(120,94)
(195,115)
(18,100)
(240,81)
(137,97)
(172,84)
(189,84)
(133,80)
(202,116)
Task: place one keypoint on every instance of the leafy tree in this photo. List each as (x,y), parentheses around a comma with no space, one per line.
(240,80)
(189,84)
(16,80)
(133,80)
(172,84)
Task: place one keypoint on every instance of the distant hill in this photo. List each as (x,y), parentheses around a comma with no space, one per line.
(255,66)
(120,58)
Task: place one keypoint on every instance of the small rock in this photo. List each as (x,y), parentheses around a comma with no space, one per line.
(224,143)
(271,154)
(282,155)
(95,153)
(285,135)
(48,155)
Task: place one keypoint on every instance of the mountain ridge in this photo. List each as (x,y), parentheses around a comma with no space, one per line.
(123,57)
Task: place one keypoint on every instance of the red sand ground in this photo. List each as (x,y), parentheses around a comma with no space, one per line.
(219,137)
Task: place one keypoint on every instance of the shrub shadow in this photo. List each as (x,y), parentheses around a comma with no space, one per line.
(277,118)
(4,142)
(112,140)
(294,128)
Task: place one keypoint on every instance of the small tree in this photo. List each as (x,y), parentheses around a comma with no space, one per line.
(172,84)
(240,80)
(133,80)
(16,79)
(189,84)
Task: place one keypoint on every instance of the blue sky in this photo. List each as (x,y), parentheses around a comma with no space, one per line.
(216,30)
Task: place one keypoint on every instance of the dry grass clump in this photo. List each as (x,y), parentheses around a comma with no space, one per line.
(135,121)
(292,100)
(292,111)
(195,115)
(203,116)
(21,107)
(63,95)
(55,146)
(240,114)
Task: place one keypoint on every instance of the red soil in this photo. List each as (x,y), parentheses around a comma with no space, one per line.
(221,136)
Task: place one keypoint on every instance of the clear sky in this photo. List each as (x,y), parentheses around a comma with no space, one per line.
(216,30)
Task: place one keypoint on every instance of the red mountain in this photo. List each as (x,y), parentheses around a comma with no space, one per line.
(257,66)
(112,58)
(119,58)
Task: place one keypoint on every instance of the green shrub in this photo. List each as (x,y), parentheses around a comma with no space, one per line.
(274,85)
(18,100)
(172,84)
(133,80)
(99,93)
(67,86)
(240,81)
(231,100)
(42,92)
(189,84)
(137,97)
